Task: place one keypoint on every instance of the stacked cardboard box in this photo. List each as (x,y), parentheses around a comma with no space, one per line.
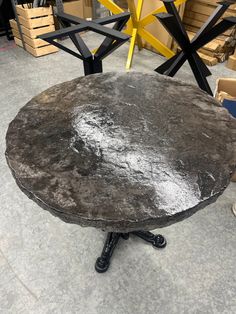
(232,61)
(78,8)
(34,22)
(226,90)
(196,14)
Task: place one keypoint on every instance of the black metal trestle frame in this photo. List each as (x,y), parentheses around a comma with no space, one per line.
(210,30)
(73,25)
(103,262)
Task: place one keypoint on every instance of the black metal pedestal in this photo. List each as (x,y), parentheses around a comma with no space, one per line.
(210,30)
(73,26)
(103,262)
(6,31)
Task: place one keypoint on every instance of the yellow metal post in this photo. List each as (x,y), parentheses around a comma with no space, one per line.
(136,27)
(131,49)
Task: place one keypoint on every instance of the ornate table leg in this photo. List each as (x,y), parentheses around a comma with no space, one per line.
(103,262)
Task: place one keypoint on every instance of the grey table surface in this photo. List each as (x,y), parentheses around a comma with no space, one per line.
(122,151)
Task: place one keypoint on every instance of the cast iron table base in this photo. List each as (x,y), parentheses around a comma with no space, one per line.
(103,262)
(210,30)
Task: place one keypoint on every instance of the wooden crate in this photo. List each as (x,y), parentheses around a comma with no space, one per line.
(34,12)
(13,24)
(32,41)
(37,52)
(37,22)
(15,33)
(18,42)
(41,51)
(34,22)
(33,33)
(35,43)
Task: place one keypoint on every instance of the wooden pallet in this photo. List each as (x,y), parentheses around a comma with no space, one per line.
(196,14)
(34,22)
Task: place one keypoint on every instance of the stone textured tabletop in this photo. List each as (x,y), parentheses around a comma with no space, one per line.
(122,152)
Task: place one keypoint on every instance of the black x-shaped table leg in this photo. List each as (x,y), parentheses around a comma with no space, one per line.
(74,25)
(210,30)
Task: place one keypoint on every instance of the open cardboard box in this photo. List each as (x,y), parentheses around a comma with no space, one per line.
(226,89)
(231,64)
(80,8)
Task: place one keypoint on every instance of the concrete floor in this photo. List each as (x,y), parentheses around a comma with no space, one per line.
(47,266)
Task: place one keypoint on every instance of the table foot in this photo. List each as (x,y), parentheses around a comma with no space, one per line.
(103,262)
(158,241)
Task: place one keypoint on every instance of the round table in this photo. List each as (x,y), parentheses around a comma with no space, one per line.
(124,152)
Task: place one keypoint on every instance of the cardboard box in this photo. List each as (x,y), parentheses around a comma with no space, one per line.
(156,28)
(226,89)
(231,64)
(80,8)
(234,177)
(123,4)
(88,9)
(75,8)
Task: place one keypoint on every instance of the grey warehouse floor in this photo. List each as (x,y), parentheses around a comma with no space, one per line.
(47,266)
